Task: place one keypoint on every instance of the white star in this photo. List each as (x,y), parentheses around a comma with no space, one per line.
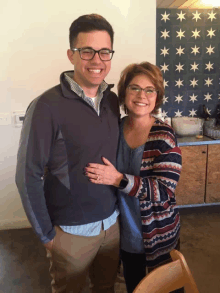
(210,50)
(165,16)
(180,34)
(181,16)
(165,34)
(208,82)
(194,66)
(196,15)
(208,97)
(165,83)
(164,51)
(165,99)
(192,112)
(196,33)
(179,67)
(179,98)
(193,98)
(164,67)
(164,114)
(195,50)
(179,83)
(209,66)
(212,16)
(210,33)
(194,82)
(180,51)
(178,113)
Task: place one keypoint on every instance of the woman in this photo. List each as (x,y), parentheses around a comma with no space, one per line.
(148,169)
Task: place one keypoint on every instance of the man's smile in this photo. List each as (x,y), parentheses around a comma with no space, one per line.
(94,70)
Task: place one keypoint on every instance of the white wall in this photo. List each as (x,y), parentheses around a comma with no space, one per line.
(34,41)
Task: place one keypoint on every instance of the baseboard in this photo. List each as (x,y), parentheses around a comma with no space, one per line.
(16,223)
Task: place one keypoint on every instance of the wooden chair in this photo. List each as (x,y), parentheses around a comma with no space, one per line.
(169,277)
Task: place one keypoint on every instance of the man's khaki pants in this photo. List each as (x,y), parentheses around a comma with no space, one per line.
(73,257)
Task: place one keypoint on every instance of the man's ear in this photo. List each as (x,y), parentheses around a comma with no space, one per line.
(71,56)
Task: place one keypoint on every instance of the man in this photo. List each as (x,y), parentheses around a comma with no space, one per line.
(67,127)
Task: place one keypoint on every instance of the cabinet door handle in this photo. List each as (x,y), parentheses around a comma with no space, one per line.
(203,152)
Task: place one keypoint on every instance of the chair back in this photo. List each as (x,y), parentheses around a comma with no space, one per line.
(169,277)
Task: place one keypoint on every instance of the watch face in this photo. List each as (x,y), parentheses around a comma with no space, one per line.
(123,183)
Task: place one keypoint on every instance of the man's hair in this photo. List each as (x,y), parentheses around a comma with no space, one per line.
(89,23)
(150,71)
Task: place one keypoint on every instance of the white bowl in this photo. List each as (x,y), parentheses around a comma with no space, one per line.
(187,126)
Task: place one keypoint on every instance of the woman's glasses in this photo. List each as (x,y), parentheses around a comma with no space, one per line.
(136,90)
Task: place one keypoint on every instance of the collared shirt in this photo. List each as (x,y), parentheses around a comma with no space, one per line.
(91,229)
(93,102)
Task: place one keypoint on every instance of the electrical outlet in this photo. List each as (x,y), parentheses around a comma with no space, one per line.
(5,119)
(18,118)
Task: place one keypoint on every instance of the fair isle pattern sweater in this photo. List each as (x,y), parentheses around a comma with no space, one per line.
(155,188)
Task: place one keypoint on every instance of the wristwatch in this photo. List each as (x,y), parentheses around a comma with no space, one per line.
(123,183)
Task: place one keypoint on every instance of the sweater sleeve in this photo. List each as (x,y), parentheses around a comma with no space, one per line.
(159,178)
(36,140)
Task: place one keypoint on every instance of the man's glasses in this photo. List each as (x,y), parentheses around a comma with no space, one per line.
(89,53)
(136,90)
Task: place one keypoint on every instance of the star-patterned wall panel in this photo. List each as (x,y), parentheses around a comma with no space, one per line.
(188,53)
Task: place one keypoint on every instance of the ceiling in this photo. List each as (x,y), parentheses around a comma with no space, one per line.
(183,4)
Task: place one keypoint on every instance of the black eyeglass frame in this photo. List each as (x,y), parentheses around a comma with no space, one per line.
(94,52)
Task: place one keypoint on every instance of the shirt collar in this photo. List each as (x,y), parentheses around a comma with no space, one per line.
(77,88)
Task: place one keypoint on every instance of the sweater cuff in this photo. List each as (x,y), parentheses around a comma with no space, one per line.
(50,236)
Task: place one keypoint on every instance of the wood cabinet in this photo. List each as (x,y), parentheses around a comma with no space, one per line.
(200,177)
(213,174)
(192,184)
